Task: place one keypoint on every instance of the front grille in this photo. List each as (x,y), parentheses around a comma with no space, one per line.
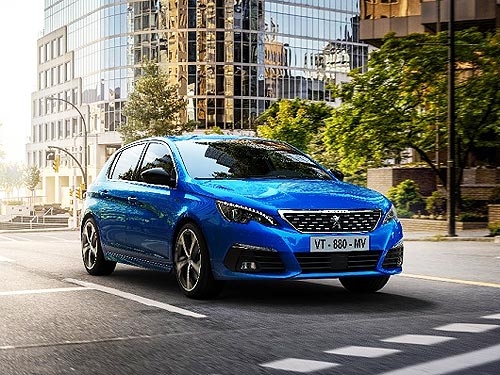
(394,258)
(267,261)
(338,262)
(332,221)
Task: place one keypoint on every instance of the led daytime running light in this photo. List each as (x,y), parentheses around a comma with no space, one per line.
(242,214)
(391,215)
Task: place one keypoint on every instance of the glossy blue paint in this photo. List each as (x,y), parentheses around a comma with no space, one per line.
(138,221)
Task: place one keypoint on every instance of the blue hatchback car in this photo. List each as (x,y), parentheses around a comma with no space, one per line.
(215,208)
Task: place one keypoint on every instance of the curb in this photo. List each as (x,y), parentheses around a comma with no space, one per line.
(453,239)
(38,230)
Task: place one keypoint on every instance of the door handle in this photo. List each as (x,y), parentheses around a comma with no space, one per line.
(103,193)
(132,200)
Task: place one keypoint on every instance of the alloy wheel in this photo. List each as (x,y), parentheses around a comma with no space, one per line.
(89,245)
(188,259)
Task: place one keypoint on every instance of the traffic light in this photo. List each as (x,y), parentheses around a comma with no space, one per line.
(80,191)
(55,163)
(71,191)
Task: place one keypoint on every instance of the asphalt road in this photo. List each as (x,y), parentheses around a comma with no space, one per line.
(441,316)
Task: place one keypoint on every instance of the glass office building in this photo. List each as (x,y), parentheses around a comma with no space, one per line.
(230,59)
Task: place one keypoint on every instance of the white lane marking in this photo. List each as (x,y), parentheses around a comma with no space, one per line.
(494,316)
(4,259)
(4,238)
(77,342)
(454,281)
(418,339)
(363,351)
(467,327)
(20,239)
(41,291)
(455,363)
(299,365)
(136,298)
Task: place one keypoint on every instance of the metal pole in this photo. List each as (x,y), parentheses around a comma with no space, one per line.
(84,136)
(438,30)
(451,175)
(84,173)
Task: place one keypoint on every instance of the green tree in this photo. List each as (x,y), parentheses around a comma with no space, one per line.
(32,178)
(400,102)
(297,122)
(153,107)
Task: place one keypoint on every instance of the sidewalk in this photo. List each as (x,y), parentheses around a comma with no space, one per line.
(463,235)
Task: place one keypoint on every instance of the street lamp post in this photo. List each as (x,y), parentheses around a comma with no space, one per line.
(85,175)
(451,175)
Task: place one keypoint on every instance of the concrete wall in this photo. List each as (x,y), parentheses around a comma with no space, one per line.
(382,179)
(493,213)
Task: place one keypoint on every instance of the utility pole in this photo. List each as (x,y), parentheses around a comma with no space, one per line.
(451,173)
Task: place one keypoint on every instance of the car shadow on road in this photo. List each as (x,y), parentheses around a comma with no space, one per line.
(317,297)
(290,297)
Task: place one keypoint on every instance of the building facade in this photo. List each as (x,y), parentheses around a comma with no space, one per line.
(403,17)
(229,58)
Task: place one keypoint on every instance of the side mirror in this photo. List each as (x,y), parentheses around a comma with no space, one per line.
(158,176)
(337,174)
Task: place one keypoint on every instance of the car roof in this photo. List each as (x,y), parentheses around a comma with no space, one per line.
(196,137)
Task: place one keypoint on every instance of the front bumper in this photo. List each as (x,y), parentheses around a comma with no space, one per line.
(253,251)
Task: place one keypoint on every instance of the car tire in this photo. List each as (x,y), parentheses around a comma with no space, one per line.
(364,284)
(192,264)
(92,255)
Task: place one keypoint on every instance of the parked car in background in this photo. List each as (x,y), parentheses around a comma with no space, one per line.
(217,208)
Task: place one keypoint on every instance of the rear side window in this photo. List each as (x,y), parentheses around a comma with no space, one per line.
(124,167)
(157,156)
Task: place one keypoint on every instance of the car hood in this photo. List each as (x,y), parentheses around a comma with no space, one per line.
(293,194)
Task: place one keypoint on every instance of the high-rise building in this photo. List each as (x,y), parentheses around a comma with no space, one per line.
(403,17)
(229,58)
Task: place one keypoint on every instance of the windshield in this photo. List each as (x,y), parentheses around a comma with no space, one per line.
(246,158)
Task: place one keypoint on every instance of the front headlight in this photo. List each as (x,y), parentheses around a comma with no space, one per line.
(391,215)
(241,214)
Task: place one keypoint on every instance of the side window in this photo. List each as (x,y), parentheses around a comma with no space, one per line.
(157,156)
(127,161)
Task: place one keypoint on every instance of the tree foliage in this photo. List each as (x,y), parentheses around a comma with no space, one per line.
(32,177)
(153,107)
(400,102)
(295,121)
(11,177)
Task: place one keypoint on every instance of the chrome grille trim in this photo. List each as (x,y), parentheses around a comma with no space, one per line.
(332,221)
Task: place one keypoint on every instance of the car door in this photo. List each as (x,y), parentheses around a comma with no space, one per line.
(156,207)
(115,195)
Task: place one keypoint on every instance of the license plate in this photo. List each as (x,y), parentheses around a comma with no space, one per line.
(339,243)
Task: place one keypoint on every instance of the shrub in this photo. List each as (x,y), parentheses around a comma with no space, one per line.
(436,203)
(405,214)
(471,217)
(495,196)
(494,229)
(405,194)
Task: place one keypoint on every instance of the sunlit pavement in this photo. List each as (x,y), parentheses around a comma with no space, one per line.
(442,315)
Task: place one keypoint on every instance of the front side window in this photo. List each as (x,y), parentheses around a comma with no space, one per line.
(157,156)
(124,167)
(247,158)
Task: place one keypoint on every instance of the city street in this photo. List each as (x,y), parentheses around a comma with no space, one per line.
(442,315)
